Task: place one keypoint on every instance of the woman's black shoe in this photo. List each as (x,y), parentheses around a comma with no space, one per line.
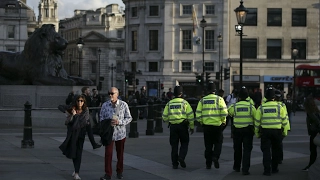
(96,146)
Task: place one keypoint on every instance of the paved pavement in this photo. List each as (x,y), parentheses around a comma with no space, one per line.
(146,157)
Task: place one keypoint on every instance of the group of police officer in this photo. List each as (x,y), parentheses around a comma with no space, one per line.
(269,122)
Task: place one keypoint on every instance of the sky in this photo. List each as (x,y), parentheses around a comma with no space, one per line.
(66,7)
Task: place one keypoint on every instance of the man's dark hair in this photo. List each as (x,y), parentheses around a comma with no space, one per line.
(84,89)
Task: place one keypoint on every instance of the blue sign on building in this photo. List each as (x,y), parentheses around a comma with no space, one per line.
(283,79)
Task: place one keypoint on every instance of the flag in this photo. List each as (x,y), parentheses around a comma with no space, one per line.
(194,19)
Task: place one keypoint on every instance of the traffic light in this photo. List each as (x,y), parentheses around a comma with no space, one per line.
(99,87)
(162,87)
(199,79)
(226,73)
(137,81)
(218,75)
(207,77)
(126,79)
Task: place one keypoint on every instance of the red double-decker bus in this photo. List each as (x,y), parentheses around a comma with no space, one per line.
(307,81)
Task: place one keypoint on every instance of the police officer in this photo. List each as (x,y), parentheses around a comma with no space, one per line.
(270,125)
(278,98)
(211,113)
(179,114)
(243,113)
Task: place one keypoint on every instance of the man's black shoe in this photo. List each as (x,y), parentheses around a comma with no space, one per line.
(245,173)
(119,176)
(174,167)
(182,163)
(216,163)
(267,173)
(236,169)
(275,171)
(96,146)
(105,177)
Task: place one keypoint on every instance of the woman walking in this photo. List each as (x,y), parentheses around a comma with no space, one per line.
(313,115)
(78,124)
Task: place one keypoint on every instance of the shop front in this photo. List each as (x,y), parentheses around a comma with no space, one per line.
(250,82)
(283,83)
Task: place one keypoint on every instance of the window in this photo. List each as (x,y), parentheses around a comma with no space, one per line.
(252,17)
(153,40)
(300,44)
(134,12)
(186,66)
(186,39)
(210,9)
(274,49)
(186,9)
(209,44)
(134,41)
(154,11)
(153,66)
(11,29)
(299,17)
(93,67)
(47,12)
(119,34)
(119,52)
(209,66)
(274,17)
(249,48)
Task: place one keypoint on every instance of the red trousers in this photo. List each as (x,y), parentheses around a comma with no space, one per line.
(108,156)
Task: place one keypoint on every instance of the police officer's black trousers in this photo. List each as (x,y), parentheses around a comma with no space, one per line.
(212,137)
(271,140)
(242,137)
(178,133)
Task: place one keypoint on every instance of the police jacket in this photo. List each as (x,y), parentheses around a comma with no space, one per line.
(250,100)
(271,115)
(211,110)
(243,113)
(283,105)
(177,110)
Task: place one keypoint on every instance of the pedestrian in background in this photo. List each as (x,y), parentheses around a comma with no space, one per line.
(313,126)
(179,114)
(78,125)
(117,112)
(270,125)
(96,102)
(211,113)
(243,120)
(289,104)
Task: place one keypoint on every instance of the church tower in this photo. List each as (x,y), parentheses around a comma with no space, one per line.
(48,13)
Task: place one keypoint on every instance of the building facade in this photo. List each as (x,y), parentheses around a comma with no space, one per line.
(163,47)
(271,30)
(101,29)
(48,13)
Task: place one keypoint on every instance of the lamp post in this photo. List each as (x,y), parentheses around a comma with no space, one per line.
(112,68)
(70,56)
(294,54)
(241,14)
(220,66)
(203,24)
(98,70)
(80,44)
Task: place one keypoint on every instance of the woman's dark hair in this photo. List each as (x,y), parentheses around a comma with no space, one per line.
(84,100)
(310,106)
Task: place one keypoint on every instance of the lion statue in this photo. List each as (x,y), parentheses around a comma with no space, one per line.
(39,63)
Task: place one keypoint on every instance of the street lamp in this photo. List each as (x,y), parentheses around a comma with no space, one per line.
(203,24)
(241,14)
(98,71)
(70,56)
(112,68)
(294,54)
(80,44)
(220,66)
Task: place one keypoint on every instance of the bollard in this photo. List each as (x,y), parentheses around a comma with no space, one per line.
(150,120)
(27,141)
(133,125)
(158,128)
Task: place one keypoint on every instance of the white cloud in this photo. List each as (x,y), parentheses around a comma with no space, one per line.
(66,7)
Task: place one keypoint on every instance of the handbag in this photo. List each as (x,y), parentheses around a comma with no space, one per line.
(316,140)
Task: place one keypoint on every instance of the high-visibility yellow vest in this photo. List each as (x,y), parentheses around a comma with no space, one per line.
(243,113)
(177,110)
(211,110)
(250,100)
(271,115)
